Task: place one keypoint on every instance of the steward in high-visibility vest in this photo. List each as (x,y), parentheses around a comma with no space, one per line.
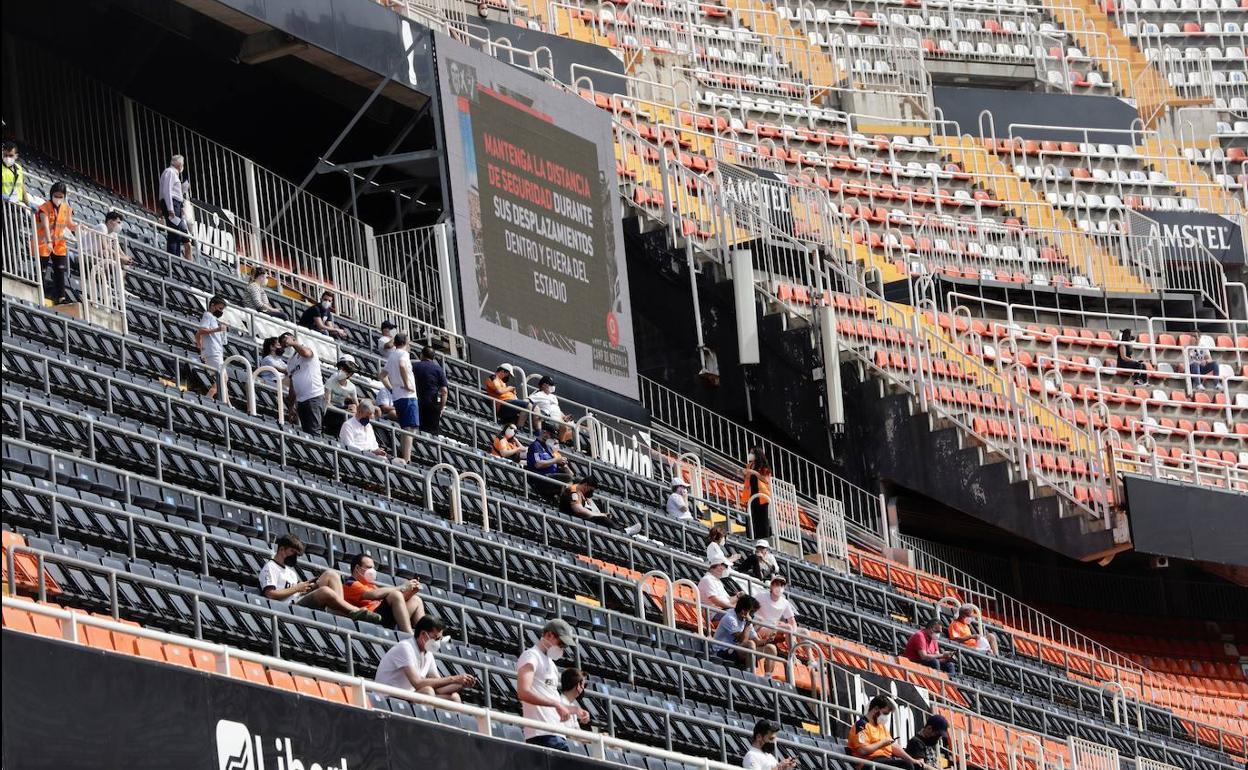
(13,176)
(53,220)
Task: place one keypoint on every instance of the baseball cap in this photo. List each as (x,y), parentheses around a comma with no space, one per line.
(717,560)
(778,578)
(507,368)
(561,629)
(678,482)
(938,723)
(761,544)
(388,325)
(348,360)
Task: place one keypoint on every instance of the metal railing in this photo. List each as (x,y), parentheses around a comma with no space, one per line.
(411,257)
(101,278)
(368,296)
(21,252)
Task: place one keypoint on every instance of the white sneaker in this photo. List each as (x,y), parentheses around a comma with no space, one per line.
(632,530)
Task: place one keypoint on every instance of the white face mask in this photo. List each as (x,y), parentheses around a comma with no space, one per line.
(433,645)
(370,575)
(750,457)
(555,653)
(552,389)
(776,594)
(509,432)
(551,444)
(326,304)
(10,161)
(113,227)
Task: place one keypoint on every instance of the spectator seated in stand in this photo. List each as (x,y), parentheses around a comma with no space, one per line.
(279,581)
(678,506)
(736,630)
(762,752)
(1127,364)
(1201,366)
(411,664)
(507,445)
(923,647)
(711,589)
(761,564)
(385,340)
(357,431)
(106,244)
(543,458)
(577,499)
(571,687)
(257,298)
(507,407)
(925,745)
(399,606)
(960,631)
(270,356)
(320,317)
(869,737)
(775,613)
(716,536)
(546,408)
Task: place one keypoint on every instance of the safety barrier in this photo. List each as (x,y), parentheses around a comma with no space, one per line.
(23,274)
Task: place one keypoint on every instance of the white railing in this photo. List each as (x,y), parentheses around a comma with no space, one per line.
(1184,262)
(368,296)
(101,278)
(413,258)
(21,251)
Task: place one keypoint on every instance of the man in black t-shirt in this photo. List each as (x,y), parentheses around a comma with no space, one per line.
(321,317)
(925,745)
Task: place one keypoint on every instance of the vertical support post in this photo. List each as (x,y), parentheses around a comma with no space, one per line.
(132,149)
(450,320)
(253,210)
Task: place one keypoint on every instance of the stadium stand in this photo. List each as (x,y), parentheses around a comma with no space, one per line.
(138,510)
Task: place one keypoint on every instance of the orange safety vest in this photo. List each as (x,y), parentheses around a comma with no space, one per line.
(58,220)
(764,486)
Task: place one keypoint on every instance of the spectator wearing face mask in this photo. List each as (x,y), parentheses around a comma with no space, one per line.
(357,431)
(756,491)
(257,296)
(54,220)
(870,738)
(399,606)
(544,459)
(735,636)
(571,686)
(507,445)
(279,581)
(270,355)
(307,389)
(411,664)
(678,506)
(547,408)
(14,177)
(173,202)
(104,241)
(926,743)
(577,499)
(713,592)
(762,753)
(761,564)
(210,339)
(385,340)
(320,317)
(432,388)
(340,393)
(775,613)
(537,685)
(507,406)
(397,376)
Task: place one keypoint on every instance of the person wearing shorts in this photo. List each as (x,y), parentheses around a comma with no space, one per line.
(398,378)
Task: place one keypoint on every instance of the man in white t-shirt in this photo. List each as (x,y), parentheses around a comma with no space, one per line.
(210,338)
(537,685)
(775,612)
(762,753)
(678,501)
(397,376)
(307,389)
(280,581)
(410,664)
(711,588)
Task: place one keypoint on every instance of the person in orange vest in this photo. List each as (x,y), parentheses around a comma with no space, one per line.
(53,218)
(757,481)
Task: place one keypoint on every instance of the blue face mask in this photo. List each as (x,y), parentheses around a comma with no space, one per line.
(363,420)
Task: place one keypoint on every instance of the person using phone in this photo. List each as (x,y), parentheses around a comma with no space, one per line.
(411,665)
(762,753)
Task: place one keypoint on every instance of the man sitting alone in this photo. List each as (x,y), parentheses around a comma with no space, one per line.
(410,664)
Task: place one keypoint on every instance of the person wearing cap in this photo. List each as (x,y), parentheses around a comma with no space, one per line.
(711,589)
(775,612)
(923,648)
(432,388)
(924,745)
(870,738)
(385,340)
(961,632)
(735,636)
(357,430)
(397,377)
(507,407)
(546,407)
(762,753)
(678,500)
(537,685)
(761,564)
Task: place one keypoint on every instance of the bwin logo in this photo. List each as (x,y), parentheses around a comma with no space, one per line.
(632,456)
(238,749)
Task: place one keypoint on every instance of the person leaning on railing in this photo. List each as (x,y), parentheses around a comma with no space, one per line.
(106,244)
